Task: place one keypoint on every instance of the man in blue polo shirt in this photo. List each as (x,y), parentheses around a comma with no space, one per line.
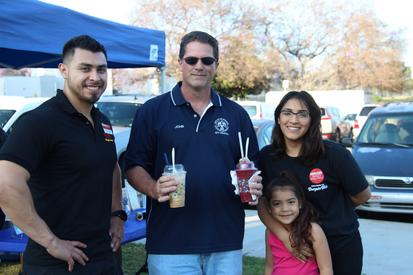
(205,236)
(2,140)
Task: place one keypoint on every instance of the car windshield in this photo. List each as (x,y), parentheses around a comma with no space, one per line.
(366,110)
(119,113)
(383,130)
(5,115)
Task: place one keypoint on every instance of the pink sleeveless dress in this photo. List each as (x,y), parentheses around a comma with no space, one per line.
(284,263)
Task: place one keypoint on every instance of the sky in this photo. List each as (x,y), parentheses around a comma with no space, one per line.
(396,14)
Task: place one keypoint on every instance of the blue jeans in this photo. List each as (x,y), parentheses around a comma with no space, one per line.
(225,263)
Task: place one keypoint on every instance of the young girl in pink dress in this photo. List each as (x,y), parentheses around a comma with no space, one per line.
(288,206)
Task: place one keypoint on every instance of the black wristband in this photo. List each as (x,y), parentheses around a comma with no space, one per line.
(120,214)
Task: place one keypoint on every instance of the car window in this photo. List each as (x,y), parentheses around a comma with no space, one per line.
(350,117)
(119,113)
(366,110)
(388,130)
(251,110)
(267,110)
(5,115)
(267,134)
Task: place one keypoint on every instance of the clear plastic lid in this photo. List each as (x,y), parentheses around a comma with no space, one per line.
(245,164)
(170,168)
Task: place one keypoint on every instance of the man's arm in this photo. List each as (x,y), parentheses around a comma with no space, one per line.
(116,230)
(361,197)
(116,188)
(144,183)
(17,202)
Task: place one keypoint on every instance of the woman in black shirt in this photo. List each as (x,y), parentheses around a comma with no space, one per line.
(331,178)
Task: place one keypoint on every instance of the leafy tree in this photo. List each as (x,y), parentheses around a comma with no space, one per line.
(242,70)
(313,44)
(369,57)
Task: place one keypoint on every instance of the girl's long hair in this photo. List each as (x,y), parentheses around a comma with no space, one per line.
(300,234)
(313,146)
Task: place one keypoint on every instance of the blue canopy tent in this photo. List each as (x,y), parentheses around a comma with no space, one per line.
(32,34)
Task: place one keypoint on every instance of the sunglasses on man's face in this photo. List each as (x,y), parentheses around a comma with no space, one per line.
(192,60)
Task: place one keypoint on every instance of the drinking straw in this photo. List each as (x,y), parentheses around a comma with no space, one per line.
(247,143)
(165,157)
(240,145)
(173,159)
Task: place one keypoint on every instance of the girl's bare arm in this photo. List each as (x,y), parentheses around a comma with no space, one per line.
(268,256)
(321,250)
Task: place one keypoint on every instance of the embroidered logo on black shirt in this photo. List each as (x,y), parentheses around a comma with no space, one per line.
(107,132)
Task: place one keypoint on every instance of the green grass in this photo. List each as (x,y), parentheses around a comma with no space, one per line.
(133,257)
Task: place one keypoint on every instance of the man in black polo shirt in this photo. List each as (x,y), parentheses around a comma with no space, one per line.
(60,178)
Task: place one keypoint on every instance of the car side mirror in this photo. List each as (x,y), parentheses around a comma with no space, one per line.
(347,141)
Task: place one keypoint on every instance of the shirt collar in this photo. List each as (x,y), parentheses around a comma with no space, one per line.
(178,99)
(65,103)
(67,106)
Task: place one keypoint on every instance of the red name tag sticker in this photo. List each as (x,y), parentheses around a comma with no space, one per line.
(316,176)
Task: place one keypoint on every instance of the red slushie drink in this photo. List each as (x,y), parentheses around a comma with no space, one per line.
(245,169)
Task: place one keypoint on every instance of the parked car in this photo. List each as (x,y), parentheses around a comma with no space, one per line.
(263,129)
(350,118)
(345,127)
(12,107)
(121,110)
(362,117)
(384,152)
(330,119)
(258,109)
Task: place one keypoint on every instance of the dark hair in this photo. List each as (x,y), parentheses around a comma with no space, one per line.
(300,235)
(201,37)
(84,42)
(313,146)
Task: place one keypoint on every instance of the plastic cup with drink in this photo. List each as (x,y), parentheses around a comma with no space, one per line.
(177,171)
(245,169)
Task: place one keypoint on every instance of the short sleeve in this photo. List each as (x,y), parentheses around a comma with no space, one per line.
(262,164)
(28,142)
(346,168)
(2,137)
(140,150)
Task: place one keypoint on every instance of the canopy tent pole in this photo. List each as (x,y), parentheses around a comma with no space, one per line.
(162,80)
